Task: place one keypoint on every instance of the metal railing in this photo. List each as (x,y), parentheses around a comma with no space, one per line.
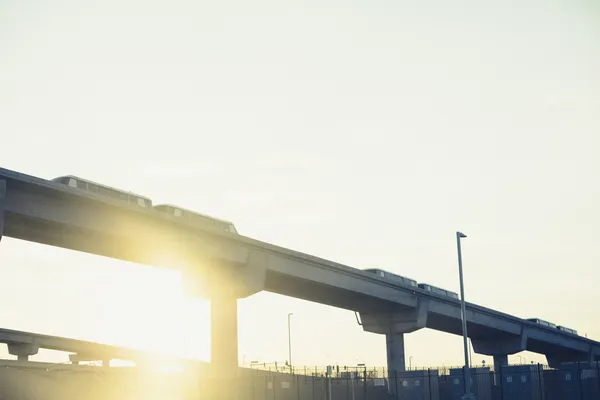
(574,381)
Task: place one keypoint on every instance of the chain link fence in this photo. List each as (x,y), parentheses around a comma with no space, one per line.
(574,381)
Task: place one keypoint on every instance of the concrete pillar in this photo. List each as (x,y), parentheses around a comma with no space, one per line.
(499,362)
(22,350)
(224,347)
(2,202)
(395,358)
(224,334)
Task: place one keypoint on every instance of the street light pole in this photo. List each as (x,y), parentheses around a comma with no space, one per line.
(463,316)
(290,341)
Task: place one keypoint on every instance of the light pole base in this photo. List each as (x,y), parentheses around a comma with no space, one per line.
(469,396)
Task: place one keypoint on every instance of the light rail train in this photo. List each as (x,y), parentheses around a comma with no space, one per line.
(411,282)
(553,326)
(216,223)
(437,290)
(144,202)
(393,277)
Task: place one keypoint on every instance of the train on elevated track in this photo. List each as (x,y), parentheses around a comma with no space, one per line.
(193,217)
(402,280)
(207,221)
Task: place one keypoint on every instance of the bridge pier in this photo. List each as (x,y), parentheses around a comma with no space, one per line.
(396,361)
(223,283)
(2,202)
(394,325)
(500,348)
(224,334)
(500,361)
(23,350)
(223,346)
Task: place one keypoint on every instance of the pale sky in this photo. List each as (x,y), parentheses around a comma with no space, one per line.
(365,132)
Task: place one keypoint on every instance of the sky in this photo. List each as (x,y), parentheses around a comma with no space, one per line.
(364,132)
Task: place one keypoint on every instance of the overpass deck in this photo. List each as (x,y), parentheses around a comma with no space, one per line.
(46,212)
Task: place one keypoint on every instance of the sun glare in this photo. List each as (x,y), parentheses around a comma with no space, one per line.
(147,309)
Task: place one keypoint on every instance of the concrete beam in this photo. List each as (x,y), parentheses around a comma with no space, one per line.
(397,322)
(500,346)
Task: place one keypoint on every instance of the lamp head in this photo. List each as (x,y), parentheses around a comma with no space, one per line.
(461,235)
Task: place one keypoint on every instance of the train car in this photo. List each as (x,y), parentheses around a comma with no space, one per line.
(392,277)
(568,330)
(542,322)
(437,290)
(196,218)
(103,190)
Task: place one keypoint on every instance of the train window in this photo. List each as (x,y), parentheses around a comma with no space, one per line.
(206,221)
(72,182)
(382,274)
(82,185)
(106,192)
(177,212)
(141,202)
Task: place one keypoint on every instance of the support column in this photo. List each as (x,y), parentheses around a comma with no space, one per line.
(224,347)
(229,273)
(500,361)
(500,348)
(2,202)
(395,358)
(23,350)
(224,334)
(394,324)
